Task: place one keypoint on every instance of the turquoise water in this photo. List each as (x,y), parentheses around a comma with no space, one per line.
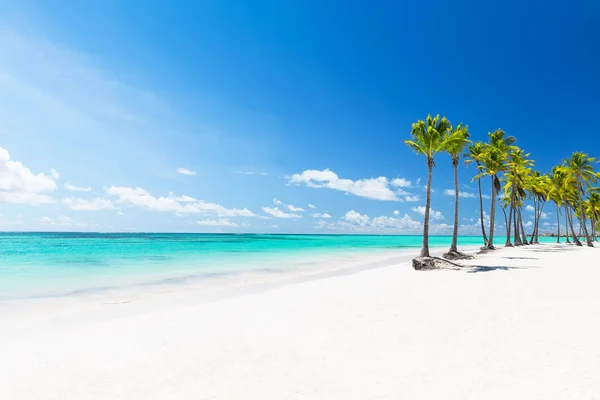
(52,264)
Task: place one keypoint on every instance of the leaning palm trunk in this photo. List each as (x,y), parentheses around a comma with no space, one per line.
(558,222)
(522,227)
(425,248)
(567,224)
(454,246)
(490,244)
(507,224)
(539,217)
(518,241)
(535,214)
(583,218)
(485,239)
(570,218)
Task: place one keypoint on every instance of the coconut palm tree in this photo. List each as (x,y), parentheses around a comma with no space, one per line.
(493,163)
(476,154)
(592,208)
(428,139)
(555,195)
(580,165)
(566,187)
(517,180)
(454,144)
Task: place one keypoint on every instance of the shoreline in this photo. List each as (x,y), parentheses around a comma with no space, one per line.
(519,324)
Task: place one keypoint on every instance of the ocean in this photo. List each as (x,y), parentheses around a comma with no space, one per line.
(57,264)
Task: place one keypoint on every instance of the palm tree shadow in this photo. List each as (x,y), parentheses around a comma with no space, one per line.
(487,268)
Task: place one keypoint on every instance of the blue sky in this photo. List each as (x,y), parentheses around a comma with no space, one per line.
(275,106)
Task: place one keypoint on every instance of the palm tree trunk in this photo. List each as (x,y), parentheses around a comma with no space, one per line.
(522,227)
(558,223)
(518,241)
(583,218)
(453,247)
(490,244)
(537,229)
(567,225)
(575,238)
(425,247)
(507,223)
(534,220)
(485,239)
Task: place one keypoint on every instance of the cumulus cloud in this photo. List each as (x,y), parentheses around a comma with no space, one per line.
(217,222)
(288,206)
(185,171)
(434,215)
(312,206)
(87,205)
(139,197)
(396,212)
(401,182)
(19,185)
(467,195)
(74,188)
(353,221)
(373,188)
(319,215)
(277,213)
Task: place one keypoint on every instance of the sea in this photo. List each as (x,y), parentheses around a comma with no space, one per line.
(49,264)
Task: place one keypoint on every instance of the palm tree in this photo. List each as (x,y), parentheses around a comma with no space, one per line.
(555,194)
(493,163)
(517,179)
(566,187)
(455,142)
(428,140)
(592,208)
(476,154)
(580,165)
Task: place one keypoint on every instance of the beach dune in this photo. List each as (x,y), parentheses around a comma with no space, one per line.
(523,323)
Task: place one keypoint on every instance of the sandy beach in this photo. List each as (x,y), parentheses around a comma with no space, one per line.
(523,324)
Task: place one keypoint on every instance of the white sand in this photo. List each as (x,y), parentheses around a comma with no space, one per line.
(528,332)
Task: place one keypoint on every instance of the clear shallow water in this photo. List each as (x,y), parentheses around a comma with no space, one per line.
(51,264)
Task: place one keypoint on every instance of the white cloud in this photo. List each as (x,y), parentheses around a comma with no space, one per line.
(319,215)
(139,197)
(217,222)
(467,195)
(355,217)
(54,173)
(434,215)
(277,213)
(410,198)
(121,213)
(288,206)
(355,222)
(373,188)
(19,185)
(185,171)
(529,208)
(87,205)
(74,188)
(311,206)
(401,182)
(396,212)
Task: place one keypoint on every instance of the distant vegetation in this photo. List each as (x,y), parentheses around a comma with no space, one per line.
(570,186)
